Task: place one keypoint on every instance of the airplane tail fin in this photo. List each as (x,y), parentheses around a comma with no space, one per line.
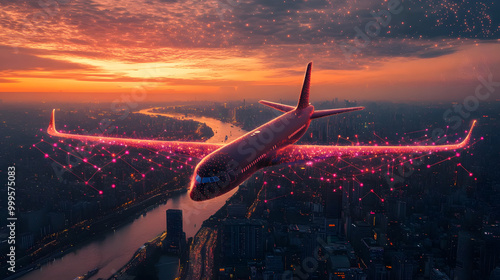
(304,95)
(304,101)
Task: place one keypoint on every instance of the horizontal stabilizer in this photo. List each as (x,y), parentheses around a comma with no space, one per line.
(324,113)
(277,106)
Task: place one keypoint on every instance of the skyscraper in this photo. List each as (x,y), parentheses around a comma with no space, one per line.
(176,238)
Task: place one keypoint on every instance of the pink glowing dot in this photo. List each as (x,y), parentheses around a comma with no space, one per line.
(265,201)
(321,178)
(291,192)
(113,186)
(113,160)
(392,189)
(55,144)
(334,190)
(457,154)
(470,174)
(361,184)
(143,175)
(392,179)
(428,166)
(100,192)
(86,183)
(85,160)
(152,168)
(340,187)
(335,175)
(482,138)
(279,186)
(126,152)
(371,190)
(265,183)
(46,155)
(359,199)
(382,200)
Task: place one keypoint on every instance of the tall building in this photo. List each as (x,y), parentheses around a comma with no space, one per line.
(438,275)
(176,238)
(333,211)
(333,204)
(464,256)
(402,267)
(489,256)
(241,240)
(401,210)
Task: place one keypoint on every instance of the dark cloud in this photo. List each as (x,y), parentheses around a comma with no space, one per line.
(5,81)
(26,59)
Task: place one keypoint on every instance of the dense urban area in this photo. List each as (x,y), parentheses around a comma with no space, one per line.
(397,217)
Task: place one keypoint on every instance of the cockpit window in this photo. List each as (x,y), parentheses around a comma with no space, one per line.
(204,180)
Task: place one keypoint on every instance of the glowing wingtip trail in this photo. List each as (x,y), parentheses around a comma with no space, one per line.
(467,139)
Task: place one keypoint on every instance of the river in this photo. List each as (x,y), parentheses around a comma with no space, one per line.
(114,249)
(220,129)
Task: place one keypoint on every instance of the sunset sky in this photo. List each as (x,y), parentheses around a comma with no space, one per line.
(76,50)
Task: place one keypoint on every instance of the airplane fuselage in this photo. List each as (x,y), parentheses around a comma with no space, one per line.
(229,166)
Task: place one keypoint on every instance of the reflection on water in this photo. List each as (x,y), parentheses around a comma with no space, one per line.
(115,249)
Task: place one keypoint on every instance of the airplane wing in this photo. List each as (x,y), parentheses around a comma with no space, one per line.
(295,153)
(195,149)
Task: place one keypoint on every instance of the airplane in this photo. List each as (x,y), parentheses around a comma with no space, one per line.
(223,167)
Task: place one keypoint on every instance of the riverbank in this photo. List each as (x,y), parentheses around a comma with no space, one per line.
(220,129)
(95,229)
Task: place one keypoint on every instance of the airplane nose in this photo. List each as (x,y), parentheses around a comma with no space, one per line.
(195,193)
